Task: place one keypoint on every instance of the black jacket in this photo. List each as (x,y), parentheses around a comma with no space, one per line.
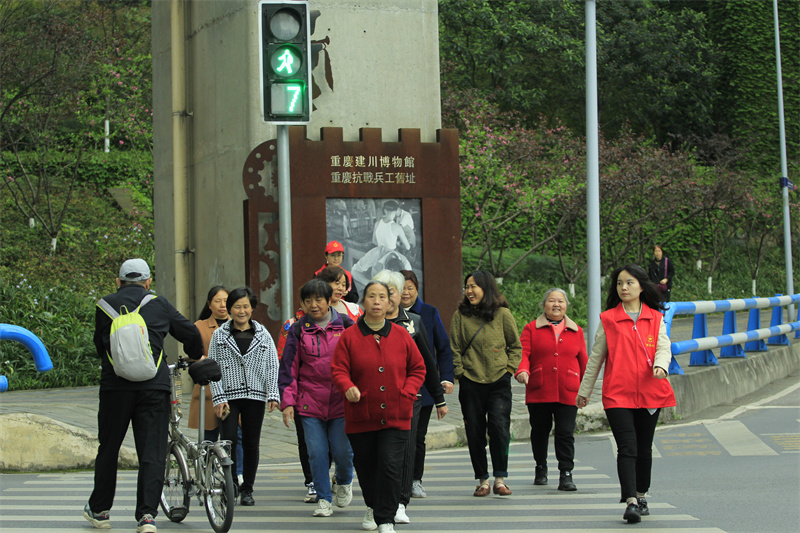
(161,318)
(413,324)
(656,271)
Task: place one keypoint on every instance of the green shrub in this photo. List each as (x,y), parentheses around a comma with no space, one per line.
(98,170)
(731,280)
(63,319)
(56,293)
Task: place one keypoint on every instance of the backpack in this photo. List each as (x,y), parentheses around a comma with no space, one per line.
(131,356)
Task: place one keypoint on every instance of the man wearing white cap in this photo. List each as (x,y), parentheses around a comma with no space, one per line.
(142,404)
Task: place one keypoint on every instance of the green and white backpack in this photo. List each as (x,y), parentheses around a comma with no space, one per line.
(131,355)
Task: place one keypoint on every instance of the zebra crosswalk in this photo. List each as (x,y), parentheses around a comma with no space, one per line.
(449,505)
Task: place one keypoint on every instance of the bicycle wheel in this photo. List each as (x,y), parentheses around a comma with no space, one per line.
(175,495)
(219,497)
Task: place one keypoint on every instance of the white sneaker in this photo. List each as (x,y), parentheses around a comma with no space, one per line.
(368,523)
(417,490)
(344,495)
(240,479)
(386,528)
(324,508)
(311,494)
(400,517)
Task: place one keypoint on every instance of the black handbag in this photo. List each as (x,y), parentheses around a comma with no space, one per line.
(204,371)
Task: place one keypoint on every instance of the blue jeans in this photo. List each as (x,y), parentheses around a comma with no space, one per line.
(239,455)
(322,437)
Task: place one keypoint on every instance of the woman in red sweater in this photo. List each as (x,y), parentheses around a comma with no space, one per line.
(633,343)
(552,366)
(378,368)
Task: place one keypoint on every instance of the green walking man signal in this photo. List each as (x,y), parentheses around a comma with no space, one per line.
(285,61)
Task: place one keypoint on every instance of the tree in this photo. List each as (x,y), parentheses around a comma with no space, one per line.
(748,108)
(509,177)
(657,71)
(50,53)
(657,67)
(761,222)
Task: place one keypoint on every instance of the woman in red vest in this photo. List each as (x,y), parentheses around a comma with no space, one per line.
(633,343)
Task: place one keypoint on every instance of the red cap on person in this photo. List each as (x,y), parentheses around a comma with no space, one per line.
(334,246)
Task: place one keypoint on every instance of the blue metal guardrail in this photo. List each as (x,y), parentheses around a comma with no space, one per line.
(730,341)
(33,343)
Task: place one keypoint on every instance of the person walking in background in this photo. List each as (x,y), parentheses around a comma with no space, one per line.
(439,343)
(633,344)
(249,362)
(141,404)
(334,255)
(661,271)
(413,324)
(310,399)
(284,377)
(212,316)
(378,368)
(552,366)
(486,352)
(337,278)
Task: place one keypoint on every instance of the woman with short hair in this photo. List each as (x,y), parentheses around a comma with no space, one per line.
(552,341)
(439,343)
(378,368)
(249,361)
(311,400)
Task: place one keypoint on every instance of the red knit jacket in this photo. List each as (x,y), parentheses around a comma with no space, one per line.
(555,368)
(628,379)
(388,374)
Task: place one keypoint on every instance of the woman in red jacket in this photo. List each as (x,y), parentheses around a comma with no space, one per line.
(633,343)
(552,366)
(378,368)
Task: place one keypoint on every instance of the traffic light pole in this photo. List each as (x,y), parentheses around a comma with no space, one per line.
(285,223)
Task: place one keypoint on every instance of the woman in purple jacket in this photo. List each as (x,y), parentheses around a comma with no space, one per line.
(309,394)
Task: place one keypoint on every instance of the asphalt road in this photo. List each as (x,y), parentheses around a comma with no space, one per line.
(734,468)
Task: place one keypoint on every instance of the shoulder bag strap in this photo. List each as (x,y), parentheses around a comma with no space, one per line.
(473,338)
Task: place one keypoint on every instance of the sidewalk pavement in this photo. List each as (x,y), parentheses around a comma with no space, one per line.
(57,428)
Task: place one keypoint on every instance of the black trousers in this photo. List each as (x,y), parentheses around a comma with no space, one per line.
(378,458)
(302,451)
(148,412)
(410,452)
(542,416)
(422,430)
(487,407)
(633,431)
(252,413)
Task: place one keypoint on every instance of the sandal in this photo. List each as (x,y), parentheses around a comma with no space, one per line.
(502,489)
(482,489)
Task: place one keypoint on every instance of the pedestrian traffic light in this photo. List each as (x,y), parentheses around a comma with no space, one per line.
(285,61)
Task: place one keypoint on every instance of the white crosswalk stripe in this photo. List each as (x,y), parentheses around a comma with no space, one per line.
(449,506)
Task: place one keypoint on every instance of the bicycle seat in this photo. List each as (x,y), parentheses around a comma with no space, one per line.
(205,371)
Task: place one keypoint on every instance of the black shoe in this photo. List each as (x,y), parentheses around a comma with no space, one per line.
(247,498)
(643,509)
(540,477)
(565,481)
(632,514)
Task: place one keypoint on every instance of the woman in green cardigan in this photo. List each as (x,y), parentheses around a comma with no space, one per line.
(486,353)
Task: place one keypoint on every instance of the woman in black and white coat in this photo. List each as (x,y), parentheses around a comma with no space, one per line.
(249,362)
